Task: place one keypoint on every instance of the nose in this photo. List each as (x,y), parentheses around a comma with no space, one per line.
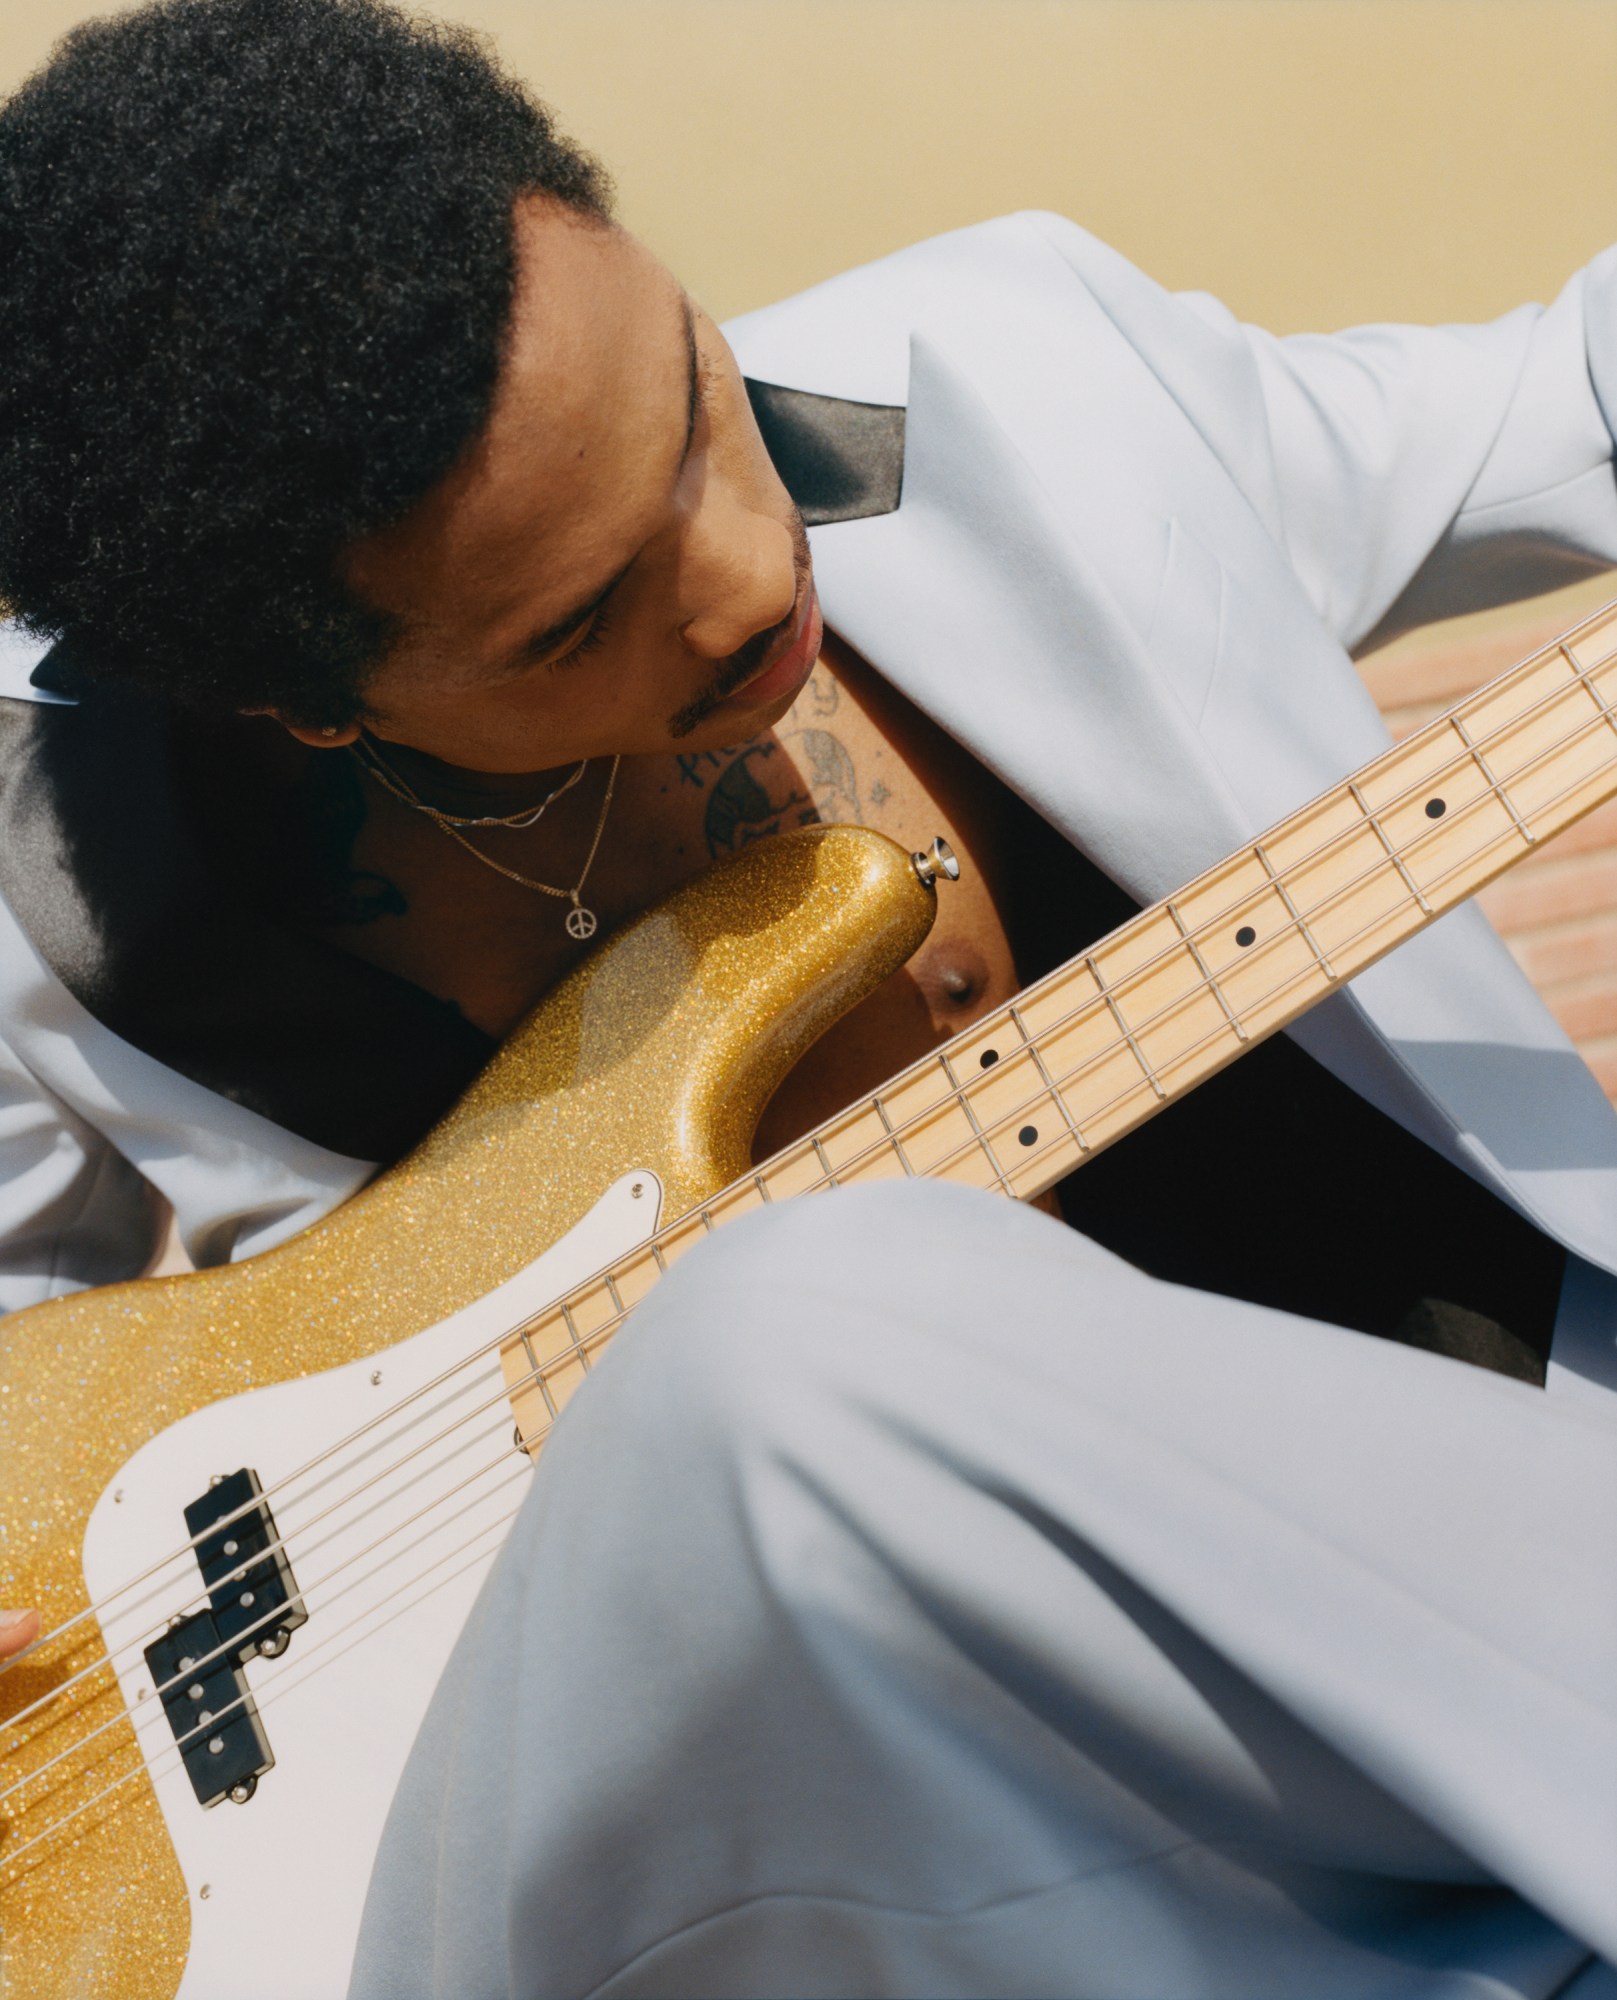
(738,572)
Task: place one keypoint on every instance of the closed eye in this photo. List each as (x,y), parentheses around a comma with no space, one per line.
(591,639)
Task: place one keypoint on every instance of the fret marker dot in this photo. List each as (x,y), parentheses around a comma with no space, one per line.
(1435,808)
(988,1058)
(1246,935)
(1028,1134)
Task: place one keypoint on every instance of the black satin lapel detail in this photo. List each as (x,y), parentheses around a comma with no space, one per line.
(840,461)
(104,870)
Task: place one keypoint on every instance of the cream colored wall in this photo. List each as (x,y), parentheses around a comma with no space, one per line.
(1312,161)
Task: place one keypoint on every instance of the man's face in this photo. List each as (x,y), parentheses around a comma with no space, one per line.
(616,557)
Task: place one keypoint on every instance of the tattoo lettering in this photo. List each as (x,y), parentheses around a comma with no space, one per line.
(692,766)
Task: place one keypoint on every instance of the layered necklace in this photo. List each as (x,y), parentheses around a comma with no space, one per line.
(581,921)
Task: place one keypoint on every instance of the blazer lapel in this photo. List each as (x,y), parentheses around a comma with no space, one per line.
(973,598)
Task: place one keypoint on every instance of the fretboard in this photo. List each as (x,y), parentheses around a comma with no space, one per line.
(1086,1054)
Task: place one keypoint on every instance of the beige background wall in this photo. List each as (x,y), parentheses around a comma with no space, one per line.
(1314,162)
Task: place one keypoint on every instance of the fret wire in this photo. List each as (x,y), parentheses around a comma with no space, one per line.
(1292,910)
(707,1220)
(1030,1043)
(614,1294)
(987,1150)
(1206,971)
(898,1144)
(533,1365)
(572,1334)
(658,1258)
(1123,1026)
(762,1186)
(1393,855)
(1593,692)
(1498,789)
(825,1164)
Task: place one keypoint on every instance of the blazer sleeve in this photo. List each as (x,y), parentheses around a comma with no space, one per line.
(73,1211)
(1407,472)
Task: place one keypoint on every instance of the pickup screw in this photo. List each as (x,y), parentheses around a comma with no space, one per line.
(274,1646)
(939,859)
(218,1479)
(240,1794)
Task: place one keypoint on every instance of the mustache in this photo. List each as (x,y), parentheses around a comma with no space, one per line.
(744,663)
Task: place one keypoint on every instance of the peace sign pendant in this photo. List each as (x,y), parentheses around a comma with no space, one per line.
(581,923)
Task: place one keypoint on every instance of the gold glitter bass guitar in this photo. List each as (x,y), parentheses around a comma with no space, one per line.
(254,1503)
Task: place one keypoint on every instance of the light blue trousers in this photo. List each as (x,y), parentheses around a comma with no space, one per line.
(919,1601)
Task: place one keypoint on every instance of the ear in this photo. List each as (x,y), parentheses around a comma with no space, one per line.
(317,739)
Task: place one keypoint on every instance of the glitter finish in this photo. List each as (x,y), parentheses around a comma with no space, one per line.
(659,1052)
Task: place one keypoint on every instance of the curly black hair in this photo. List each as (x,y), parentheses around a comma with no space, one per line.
(258,264)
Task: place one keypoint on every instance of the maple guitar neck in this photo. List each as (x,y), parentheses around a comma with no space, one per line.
(1092,1050)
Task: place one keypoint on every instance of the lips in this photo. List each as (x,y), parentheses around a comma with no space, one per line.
(791,665)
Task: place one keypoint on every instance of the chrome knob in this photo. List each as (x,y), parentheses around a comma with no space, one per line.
(938,860)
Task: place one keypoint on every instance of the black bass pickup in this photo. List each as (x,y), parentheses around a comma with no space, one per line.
(254,1608)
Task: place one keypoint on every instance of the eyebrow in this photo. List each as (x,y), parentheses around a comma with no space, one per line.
(537,644)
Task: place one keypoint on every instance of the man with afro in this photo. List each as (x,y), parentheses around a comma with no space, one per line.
(1198,1584)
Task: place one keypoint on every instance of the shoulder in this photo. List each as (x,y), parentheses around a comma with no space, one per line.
(992,283)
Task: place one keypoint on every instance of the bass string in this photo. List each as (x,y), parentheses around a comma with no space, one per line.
(200,1596)
(1466,756)
(201,1661)
(999,1125)
(170,1758)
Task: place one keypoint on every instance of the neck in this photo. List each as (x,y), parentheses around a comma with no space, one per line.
(454,785)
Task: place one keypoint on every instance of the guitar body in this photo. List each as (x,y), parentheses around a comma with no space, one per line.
(332,1367)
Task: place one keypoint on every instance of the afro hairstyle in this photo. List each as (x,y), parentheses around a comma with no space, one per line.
(259,261)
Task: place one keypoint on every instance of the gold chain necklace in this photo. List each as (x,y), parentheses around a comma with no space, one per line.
(372,760)
(581,922)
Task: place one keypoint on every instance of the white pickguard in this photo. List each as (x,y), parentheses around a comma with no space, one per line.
(388,1577)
